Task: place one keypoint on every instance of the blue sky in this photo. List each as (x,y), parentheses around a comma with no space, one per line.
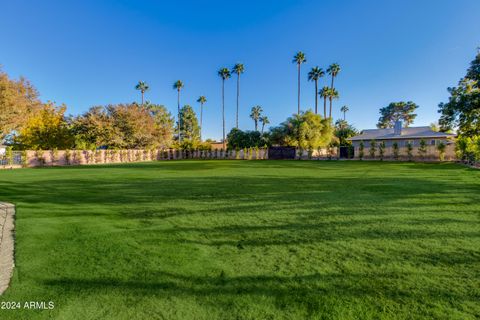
(85,53)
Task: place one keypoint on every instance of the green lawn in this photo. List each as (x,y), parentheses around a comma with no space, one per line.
(246,240)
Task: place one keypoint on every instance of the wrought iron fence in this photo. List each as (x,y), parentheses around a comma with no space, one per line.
(12,158)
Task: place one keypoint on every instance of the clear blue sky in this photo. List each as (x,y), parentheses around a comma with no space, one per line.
(92,52)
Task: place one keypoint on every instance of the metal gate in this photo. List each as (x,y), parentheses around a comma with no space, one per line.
(279,153)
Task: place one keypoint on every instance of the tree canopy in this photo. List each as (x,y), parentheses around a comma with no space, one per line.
(397,111)
(306,130)
(189,128)
(238,139)
(18,101)
(462,111)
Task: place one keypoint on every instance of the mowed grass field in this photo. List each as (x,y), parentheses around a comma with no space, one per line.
(246,240)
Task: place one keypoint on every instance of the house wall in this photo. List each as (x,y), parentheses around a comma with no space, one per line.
(432,153)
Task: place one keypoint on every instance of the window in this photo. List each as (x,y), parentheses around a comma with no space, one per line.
(432,142)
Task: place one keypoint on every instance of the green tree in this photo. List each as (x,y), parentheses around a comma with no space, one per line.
(409,151)
(18,102)
(299,59)
(314,75)
(441,150)
(344,109)
(422,149)
(264,120)
(94,127)
(178,85)
(202,100)
(223,73)
(163,125)
(255,114)
(238,139)
(395,150)
(333,70)
(142,86)
(343,131)
(373,149)
(397,111)
(381,150)
(134,126)
(307,131)
(324,93)
(462,111)
(238,69)
(47,129)
(361,148)
(189,128)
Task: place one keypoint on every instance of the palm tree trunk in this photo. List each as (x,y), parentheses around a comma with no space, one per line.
(330,112)
(142,96)
(332,82)
(238,95)
(316,96)
(256,125)
(223,111)
(344,115)
(299,88)
(201,120)
(325,107)
(263,126)
(179,120)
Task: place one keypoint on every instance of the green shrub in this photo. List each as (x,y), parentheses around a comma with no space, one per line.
(395,150)
(381,150)
(361,148)
(409,151)
(373,149)
(24,159)
(68,156)
(441,150)
(422,149)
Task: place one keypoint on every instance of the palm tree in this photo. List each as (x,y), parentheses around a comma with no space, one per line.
(264,120)
(324,92)
(332,94)
(299,58)
(224,73)
(238,69)
(142,86)
(255,115)
(344,109)
(333,70)
(315,74)
(201,100)
(178,85)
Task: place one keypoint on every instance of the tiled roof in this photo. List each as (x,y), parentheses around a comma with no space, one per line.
(407,133)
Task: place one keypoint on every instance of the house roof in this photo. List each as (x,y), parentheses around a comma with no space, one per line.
(407,133)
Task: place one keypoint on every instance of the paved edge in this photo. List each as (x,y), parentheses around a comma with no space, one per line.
(7,262)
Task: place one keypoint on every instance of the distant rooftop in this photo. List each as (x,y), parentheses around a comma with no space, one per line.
(406,133)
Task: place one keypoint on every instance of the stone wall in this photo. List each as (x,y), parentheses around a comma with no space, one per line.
(81,157)
(431,154)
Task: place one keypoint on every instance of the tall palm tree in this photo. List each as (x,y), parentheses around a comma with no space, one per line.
(264,120)
(178,85)
(344,109)
(333,70)
(201,100)
(332,94)
(255,115)
(238,69)
(224,73)
(315,74)
(142,86)
(324,92)
(299,58)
